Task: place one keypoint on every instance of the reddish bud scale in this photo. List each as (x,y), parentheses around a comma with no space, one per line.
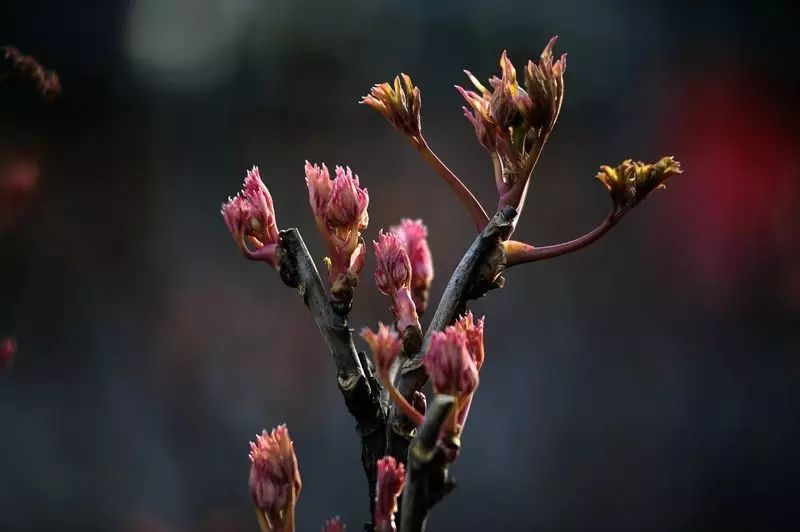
(340,211)
(414,236)
(251,215)
(391,475)
(274,476)
(393,278)
(385,345)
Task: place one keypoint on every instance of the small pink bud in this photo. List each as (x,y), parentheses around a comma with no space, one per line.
(251,214)
(391,476)
(274,477)
(334,525)
(340,211)
(473,333)
(385,345)
(414,236)
(449,364)
(8,350)
(393,278)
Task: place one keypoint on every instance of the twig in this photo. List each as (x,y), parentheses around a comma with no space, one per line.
(473,206)
(427,481)
(520,253)
(359,387)
(477,273)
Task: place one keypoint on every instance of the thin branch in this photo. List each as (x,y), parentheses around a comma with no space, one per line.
(427,479)
(477,272)
(520,253)
(359,388)
(471,203)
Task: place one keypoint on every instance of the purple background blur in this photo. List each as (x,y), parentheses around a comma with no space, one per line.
(647,383)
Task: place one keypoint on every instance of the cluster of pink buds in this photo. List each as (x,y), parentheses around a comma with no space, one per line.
(414,236)
(340,212)
(8,349)
(391,475)
(512,123)
(399,103)
(274,479)
(250,217)
(385,345)
(452,362)
(393,276)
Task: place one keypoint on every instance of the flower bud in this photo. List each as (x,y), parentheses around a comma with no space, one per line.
(545,90)
(393,278)
(449,364)
(340,211)
(8,350)
(274,477)
(385,345)
(473,334)
(391,476)
(399,104)
(630,182)
(251,214)
(334,525)
(414,236)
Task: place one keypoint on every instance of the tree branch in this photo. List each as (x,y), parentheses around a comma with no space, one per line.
(357,384)
(477,273)
(473,206)
(520,253)
(427,480)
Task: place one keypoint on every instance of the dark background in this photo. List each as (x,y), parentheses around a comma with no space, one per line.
(646,383)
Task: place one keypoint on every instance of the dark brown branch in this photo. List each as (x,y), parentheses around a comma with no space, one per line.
(477,272)
(359,387)
(427,480)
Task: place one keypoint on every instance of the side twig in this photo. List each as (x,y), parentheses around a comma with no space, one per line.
(427,480)
(359,388)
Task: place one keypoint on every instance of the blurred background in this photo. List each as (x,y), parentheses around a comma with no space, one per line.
(646,383)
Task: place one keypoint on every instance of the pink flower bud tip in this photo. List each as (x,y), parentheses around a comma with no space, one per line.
(334,525)
(473,333)
(385,345)
(391,476)
(340,211)
(414,236)
(449,364)
(393,278)
(8,350)
(274,476)
(251,214)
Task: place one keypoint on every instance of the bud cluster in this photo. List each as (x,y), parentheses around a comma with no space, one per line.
(414,236)
(274,478)
(399,103)
(250,216)
(512,122)
(393,274)
(340,212)
(391,475)
(630,182)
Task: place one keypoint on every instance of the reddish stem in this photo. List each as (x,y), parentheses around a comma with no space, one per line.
(473,206)
(520,253)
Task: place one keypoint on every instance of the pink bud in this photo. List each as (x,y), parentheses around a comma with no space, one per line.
(449,364)
(251,214)
(340,211)
(391,476)
(393,271)
(473,333)
(414,236)
(385,345)
(8,350)
(393,278)
(274,477)
(334,525)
